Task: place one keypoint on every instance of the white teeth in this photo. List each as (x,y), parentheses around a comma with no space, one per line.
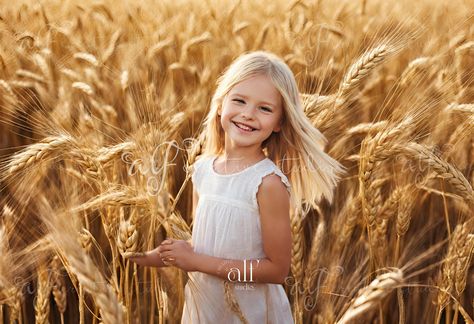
(243,127)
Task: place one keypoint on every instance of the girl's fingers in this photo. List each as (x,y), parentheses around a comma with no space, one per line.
(164,248)
(167,263)
(165,255)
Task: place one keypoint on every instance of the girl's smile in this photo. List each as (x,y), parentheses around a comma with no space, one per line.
(244,128)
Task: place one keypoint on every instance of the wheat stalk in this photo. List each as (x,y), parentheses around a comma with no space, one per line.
(413,69)
(42,296)
(390,206)
(456,264)
(93,169)
(7,89)
(440,166)
(89,277)
(464,108)
(194,41)
(58,286)
(374,150)
(9,294)
(107,154)
(86,238)
(111,48)
(314,256)
(71,74)
(43,65)
(297,248)
(84,87)
(36,153)
(232,302)
(127,240)
(87,57)
(462,53)
(13,299)
(405,205)
(369,296)
(159,47)
(350,217)
(30,75)
(362,67)
(297,260)
(115,196)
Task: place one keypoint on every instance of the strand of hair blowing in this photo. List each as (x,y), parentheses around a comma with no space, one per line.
(312,172)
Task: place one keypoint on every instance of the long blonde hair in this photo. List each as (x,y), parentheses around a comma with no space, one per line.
(297,149)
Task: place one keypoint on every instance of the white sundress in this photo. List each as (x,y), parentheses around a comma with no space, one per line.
(227,225)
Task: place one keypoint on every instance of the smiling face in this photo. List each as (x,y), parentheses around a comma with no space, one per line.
(251,111)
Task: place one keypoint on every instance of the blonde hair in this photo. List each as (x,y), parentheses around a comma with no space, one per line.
(297,149)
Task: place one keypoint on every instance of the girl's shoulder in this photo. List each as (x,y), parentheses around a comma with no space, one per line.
(264,170)
(269,168)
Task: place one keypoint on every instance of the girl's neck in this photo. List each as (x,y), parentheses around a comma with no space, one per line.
(241,157)
(224,164)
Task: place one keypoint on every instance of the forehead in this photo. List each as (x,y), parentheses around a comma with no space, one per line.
(259,88)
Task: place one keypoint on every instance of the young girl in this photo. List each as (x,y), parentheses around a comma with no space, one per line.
(257,138)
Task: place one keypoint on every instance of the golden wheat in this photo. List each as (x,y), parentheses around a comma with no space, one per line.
(58,285)
(441,167)
(91,89)
(456,263)
(35,153)
(369,296)
(42,295)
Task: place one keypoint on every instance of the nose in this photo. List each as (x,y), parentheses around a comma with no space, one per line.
(248,112)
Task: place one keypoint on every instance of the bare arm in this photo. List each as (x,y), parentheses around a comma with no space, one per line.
(274,206)
(149,258)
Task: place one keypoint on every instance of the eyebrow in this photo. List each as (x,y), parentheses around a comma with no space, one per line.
(263,102)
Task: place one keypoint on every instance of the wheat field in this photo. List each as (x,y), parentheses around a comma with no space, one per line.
(101,105)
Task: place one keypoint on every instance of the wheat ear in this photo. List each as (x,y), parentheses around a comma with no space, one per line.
(42,296)
(362,67)
(371,295)
(36,153)
(58,286)
(441,167)
(456,264)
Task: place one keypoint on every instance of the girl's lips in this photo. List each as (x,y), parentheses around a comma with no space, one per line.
(243,130)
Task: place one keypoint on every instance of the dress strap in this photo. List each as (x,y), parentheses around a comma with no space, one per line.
(273,169)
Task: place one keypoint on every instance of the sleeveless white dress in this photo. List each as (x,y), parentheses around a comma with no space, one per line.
(227,225)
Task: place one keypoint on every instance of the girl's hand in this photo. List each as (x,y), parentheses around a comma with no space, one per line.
(178,253)
(149,258)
